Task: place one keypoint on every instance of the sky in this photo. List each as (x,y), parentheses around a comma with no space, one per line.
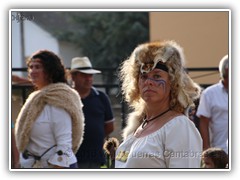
(5,79)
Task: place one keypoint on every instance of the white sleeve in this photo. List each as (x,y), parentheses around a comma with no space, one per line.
(204,108)
(183,144)
(62,130)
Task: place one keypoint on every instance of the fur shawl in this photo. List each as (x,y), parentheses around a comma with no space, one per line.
(133,122)
(59,95)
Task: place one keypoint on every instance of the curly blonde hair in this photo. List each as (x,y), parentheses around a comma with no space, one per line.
(183,90)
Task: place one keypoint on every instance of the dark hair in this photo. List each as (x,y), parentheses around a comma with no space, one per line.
(218,156)
(52,65)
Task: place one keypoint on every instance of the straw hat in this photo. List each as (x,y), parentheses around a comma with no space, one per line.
(83,64)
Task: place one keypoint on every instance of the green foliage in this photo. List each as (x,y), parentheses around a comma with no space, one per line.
(107,38)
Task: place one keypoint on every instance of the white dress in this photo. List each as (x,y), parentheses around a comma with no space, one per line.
(177,144)
(52,127)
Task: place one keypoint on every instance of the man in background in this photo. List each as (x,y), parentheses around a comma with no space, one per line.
(213,111)
(97,111)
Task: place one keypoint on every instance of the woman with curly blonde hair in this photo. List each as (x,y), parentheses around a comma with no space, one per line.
(159,133)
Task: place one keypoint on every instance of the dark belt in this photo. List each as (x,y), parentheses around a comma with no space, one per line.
(27,153)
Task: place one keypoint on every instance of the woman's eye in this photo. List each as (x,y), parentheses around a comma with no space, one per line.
(156,76)
(37,67)
(144,76)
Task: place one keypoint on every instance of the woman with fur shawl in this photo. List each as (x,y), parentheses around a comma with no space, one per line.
(49,127)
(158,133)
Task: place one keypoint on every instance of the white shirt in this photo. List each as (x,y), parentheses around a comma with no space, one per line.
(52,127)
(214,105)
(177,144)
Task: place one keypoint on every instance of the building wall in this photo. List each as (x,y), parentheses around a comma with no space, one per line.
(35,38)
(15,42)
(203,35)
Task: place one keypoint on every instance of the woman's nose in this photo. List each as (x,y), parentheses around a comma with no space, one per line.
(149,81)
(32,70)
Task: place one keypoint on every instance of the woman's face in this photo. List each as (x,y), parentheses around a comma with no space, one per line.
(154,86)
(37,74)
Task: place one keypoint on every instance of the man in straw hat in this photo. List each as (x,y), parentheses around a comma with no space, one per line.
(97,111)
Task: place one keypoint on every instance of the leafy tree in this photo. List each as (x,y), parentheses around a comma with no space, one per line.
(107,38)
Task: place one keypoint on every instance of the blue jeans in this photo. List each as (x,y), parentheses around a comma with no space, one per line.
(89,165)
(74,166)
